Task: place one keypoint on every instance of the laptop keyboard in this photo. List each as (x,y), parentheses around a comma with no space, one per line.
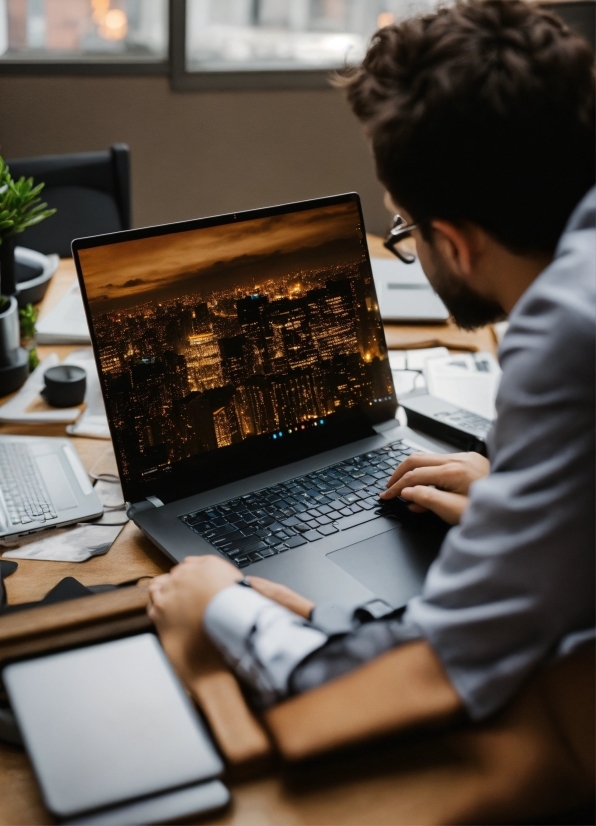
(22,487)
(273,520)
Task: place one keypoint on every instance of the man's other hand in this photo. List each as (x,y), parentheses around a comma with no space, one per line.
(438,482)
(181,597)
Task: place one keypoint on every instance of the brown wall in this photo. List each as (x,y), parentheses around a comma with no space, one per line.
(197,153)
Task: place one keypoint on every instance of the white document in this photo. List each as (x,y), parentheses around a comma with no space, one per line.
(69,545)
(468,380)
(414,359)
(404,292)
(66,322)
(405,381)
(407,367)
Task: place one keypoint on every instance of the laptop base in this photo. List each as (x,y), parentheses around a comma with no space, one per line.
(386,558)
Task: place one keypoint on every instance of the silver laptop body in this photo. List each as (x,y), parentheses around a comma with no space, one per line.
(43,484)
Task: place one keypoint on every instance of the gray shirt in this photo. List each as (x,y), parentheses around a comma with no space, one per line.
(514,582)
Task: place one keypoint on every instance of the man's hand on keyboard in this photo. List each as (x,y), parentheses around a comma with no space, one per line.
(437,481)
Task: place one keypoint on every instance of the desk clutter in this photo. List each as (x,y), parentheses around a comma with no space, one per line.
(404,292)
(70,544)
(84,540)
(29,406)
(468,380)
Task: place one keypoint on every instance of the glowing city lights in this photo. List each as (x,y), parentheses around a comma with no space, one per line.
(112,24)
(386,18)
(190,373)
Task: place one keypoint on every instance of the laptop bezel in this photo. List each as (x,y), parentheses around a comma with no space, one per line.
(167,490)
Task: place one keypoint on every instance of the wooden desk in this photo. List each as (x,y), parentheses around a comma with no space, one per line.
(386,794)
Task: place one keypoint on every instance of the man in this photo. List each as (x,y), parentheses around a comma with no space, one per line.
(481,119)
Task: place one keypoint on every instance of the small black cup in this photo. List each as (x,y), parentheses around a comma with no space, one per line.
(65,385)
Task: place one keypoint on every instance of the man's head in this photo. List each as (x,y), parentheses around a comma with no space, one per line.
(481,117)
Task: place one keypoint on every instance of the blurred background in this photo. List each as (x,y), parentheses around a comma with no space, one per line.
(256,123)
(225,104)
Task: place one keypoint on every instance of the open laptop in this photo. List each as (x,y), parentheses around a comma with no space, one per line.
(249,394)
(43,484)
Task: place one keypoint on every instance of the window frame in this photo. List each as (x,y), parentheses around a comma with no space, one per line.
(91,66)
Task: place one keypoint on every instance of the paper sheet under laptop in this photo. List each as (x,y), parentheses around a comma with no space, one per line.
(404,293)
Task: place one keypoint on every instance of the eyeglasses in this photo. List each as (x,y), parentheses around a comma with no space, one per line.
(400,229)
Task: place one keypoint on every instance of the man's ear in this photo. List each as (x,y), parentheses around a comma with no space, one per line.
(455,245)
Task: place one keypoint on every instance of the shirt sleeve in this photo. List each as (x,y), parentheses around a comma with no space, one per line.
(262,641)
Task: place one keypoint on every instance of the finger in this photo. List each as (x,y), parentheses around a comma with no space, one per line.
(283,595)
(417,460)
(439,476)
(417,509)
(192,560)
(155,601)
(448,506)
(157,584)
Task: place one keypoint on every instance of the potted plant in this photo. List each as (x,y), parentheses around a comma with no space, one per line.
(20,207)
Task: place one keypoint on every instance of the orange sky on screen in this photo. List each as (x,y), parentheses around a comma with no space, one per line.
(136,268)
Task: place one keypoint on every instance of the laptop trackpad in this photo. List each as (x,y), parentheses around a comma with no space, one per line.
(56,482)
(391,564)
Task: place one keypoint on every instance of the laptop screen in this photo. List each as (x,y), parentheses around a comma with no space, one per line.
(252,338)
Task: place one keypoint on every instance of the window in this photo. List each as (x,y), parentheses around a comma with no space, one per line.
(83,31)
(277,42)
(206,44)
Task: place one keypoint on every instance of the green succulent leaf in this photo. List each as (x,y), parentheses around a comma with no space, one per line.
(20,203)
(28,317)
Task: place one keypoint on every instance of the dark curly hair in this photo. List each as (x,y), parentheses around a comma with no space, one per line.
(482,111)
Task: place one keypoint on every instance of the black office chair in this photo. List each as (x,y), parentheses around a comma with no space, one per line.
(90,191)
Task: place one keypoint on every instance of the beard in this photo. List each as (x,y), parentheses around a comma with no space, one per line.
(469,309)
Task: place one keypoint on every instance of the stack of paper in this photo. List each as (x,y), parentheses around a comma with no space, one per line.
(469,380)
(93,422)
(407,367)
(66,322)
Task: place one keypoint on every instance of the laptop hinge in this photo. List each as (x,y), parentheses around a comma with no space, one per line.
(137,507)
